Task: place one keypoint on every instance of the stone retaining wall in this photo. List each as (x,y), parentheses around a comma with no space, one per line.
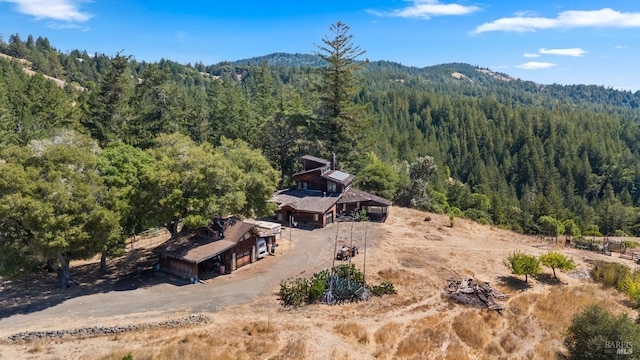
(99,330)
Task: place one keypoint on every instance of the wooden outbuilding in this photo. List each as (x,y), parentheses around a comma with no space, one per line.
(222,247)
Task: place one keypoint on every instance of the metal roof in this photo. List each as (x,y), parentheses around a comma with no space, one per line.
(354,195)
(316,159)
(305,200)
(339,175)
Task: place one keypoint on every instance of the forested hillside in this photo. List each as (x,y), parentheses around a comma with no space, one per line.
(451,138)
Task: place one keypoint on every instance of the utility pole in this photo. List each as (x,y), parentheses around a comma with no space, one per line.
(290,229)
(364,267)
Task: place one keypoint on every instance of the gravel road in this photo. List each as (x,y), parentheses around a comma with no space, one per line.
(308,252)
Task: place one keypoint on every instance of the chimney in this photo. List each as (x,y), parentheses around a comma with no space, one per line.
(333,160)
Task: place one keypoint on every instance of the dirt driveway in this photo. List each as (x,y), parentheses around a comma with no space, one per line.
(308,252)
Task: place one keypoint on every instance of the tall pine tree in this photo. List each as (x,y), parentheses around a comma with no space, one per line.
(340,121)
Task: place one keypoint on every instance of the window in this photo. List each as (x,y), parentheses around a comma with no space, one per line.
(331,187)
(315,217)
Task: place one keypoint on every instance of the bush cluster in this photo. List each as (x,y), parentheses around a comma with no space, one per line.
(620,277)
(345,283)
(595,333)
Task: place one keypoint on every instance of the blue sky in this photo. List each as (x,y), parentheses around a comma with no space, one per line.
(565,42)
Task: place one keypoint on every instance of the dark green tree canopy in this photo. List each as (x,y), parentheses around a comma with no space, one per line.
(54,204)
(340,120)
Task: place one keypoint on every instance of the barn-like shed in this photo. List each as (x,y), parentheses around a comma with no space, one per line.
(222,247)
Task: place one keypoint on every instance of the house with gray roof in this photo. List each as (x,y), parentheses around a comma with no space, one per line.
(322,193)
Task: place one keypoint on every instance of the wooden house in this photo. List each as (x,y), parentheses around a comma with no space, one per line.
(322,193)
(222,247)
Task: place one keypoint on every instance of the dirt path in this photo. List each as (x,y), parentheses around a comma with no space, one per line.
(309,252)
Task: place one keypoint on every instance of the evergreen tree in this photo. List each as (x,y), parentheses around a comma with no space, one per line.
(107,113)
(285,135)
(340,120)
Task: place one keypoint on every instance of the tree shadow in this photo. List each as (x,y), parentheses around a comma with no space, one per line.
(41,290)
(514,283)
(548,280)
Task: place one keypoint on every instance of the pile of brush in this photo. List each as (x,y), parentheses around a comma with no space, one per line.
(475,293)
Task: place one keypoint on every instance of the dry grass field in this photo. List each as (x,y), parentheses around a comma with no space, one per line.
(418,257)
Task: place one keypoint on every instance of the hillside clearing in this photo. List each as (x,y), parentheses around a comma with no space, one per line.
(419,322)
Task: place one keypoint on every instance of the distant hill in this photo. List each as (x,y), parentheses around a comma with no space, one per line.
(281,59)
(460,79)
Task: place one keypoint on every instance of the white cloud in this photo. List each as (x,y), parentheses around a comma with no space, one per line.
(620,47)
(62,10)
(567,19)
(575,52)
(535,65)
(425,9)
(530,55)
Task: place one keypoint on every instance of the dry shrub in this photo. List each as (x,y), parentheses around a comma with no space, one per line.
(258,348)
(392,275)
(427,337)
(119,355)
(523,327)
(544,350)
(509,343)
(494,350)
(340,354)
(554,312)
(421,308)
(295,350)
(471,329)
(456,351)
(416,346)
(413,261)
(519,304)
(491,318)
(36,348)
(414,224)
(181,350)
(259,327)
(355,330)
(193,345)
(388,333)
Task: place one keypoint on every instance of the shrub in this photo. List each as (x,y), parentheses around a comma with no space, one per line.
(346,284)
(479,216)
(630,244)
(294,293)
(610,274)
(618,276)
(316,290)
(595,333)
(620,233)
(349,271)
(385,288)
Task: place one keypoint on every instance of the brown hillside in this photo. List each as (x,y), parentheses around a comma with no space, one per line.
(418,256)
